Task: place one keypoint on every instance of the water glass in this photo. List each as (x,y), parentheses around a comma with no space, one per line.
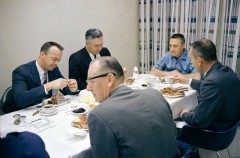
(61,103)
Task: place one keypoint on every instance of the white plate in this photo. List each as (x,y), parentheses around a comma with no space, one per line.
(48,114)
(173,96)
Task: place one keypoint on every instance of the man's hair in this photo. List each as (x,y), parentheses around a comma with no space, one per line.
(45,47)
(93,33)
(110,64)
(204,48)
(178,36)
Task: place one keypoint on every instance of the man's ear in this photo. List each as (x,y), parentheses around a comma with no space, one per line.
(42,53)
(110,79)
(200,61)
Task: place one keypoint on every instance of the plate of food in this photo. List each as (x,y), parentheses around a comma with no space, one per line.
(93,105)
(53,99)
(87,99)
(81,122)
(172,93)
(129,80)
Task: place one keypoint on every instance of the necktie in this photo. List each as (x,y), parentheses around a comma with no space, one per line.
(45,77)
(95,56)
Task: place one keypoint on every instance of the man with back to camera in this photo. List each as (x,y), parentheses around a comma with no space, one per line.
(218,101)
(35,80)
(79,61)
(127,123)
(176,61)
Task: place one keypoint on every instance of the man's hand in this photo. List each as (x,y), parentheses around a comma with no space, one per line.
(181,79)
(183,111)
(72,84)
(56,84)
(173,73)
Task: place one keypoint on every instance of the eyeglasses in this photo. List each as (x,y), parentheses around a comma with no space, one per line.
(102,75)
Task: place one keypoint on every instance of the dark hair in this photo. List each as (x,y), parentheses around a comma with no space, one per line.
(204,48)
(45,47)
(110,64)
(93,33)
(179,36)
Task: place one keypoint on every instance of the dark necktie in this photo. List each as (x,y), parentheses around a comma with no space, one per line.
(45,77)
(95,56)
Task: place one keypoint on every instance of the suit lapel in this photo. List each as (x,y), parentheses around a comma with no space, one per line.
(35,74)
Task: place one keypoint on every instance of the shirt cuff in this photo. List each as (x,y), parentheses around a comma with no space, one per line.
(45,89)
(189,82)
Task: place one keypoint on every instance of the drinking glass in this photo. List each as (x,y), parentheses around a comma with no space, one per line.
(61,103)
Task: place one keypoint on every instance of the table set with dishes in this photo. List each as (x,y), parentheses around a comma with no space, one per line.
(63,127)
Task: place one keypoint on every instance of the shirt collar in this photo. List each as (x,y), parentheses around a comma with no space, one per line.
(91,55)
(183,56)
(40,71)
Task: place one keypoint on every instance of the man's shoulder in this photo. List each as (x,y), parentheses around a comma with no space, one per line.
(26,66)
(82,53)
(105,52)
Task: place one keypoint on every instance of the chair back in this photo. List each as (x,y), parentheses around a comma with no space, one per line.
(7,101)
(207,139)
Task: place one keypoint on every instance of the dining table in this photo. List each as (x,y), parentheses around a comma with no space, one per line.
(61,139)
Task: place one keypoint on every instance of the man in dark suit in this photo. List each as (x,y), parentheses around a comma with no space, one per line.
(219,101)
(35,80)
(79,61)
(22,145)
(127,123)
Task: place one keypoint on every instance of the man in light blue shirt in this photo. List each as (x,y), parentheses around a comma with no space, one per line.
(176,61)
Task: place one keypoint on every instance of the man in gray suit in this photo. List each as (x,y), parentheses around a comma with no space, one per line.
(127,123)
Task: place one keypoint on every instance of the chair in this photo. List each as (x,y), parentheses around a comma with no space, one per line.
(207,139)
(187,151)
(7,101)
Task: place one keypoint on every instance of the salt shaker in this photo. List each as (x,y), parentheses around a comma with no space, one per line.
(135,72)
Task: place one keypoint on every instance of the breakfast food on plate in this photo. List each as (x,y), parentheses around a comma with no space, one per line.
(81,122)
(93,105)
(162,79)
(87,99)
(168,91)
(129,80)
(54,98)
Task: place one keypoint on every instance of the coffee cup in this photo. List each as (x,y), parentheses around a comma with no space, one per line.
(169,79)
(48,109)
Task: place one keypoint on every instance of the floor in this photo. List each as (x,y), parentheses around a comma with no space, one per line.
(233,151)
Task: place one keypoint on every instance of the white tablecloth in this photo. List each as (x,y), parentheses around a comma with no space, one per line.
(57,135)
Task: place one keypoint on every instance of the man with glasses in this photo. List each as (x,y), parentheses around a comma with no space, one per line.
(127,123)
(79,61)
(35,80)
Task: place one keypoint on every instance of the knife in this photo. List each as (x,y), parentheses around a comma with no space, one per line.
(36,112)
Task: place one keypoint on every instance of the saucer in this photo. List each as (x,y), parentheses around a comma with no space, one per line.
(48,114)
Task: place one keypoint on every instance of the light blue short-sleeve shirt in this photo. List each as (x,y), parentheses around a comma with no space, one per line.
(170,63)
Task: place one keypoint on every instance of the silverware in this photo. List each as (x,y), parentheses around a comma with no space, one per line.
(36,112)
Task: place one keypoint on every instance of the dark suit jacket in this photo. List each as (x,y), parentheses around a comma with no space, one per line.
(27,88)
(22,145)
(132,124)
(79,64)
(219,100)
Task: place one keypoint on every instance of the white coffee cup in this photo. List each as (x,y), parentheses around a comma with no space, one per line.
(48,109)
(169,79)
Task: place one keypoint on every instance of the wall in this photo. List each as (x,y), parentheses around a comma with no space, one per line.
(26,25)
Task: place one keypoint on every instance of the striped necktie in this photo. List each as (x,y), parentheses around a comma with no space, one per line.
(45,77)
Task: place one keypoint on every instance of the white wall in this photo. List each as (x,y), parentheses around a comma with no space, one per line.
(26,24)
